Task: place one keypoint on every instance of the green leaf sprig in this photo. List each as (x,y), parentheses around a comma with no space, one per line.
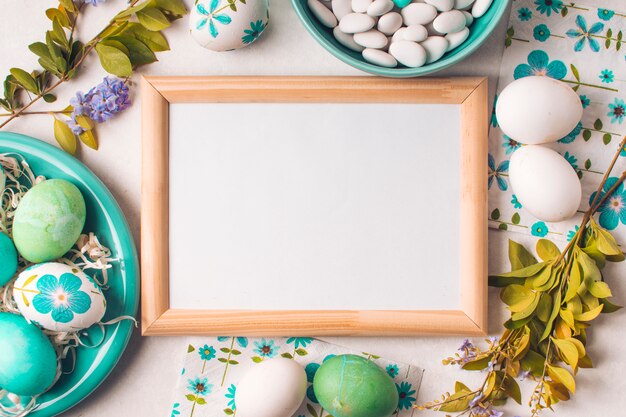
(552,301)
(130,39)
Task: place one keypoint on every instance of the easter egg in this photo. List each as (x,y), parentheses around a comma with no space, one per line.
(545,183)
(8,259)
(48,220)
(273,388)
(538,109)
(58,297)
(28,363)
(216,26)
(352,386)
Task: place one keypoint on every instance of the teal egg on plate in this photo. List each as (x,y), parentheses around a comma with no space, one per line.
(28,363)
(8,259)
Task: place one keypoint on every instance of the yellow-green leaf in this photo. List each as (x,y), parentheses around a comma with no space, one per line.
(88,137)
(544,308)
(152,19)
(176,7)
(588,266)
(590,315)
(562,376)
(568,317)
(114,61)
(517,297)
(600,289)
(511,388)
(568,351)
(85,122)
(154,40)
(547,250)
(519,256)
(574,281)
(25,79)
(63,134)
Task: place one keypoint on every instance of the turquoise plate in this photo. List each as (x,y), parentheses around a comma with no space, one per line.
(106,220)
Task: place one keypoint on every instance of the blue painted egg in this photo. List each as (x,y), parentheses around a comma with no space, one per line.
(8,259)
(28,363)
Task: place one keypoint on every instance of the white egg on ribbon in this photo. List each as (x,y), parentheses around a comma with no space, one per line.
(59,297)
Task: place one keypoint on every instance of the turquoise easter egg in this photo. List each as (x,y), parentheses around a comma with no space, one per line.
(352,386)
(28,363)
(8,259)
(3,180)
(49,220)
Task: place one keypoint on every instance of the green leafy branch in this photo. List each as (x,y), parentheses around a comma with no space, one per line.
(552,304)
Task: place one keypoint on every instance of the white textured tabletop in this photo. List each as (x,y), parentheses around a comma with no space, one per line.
(143,382)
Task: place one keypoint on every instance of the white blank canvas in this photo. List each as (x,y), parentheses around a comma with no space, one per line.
(314,206)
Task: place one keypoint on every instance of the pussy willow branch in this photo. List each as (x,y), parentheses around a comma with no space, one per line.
(89,47)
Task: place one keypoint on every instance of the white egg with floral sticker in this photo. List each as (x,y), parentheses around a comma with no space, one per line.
(224,25)
(58,297)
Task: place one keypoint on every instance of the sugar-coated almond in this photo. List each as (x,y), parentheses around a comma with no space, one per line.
(409,54)
(378,57)
(321,12)
(356,22)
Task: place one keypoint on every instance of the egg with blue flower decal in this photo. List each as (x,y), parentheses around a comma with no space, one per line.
(58,297)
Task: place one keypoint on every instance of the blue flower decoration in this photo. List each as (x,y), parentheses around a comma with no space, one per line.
(539,64)
(496,173)
(606,76)
(252,34)
(571,136)
(541,33)
(548,6)
(266,348)
(510,145)
(311,370)
(211,16)
(241,341)
(605,14)
(392,370)
(584,100)
(571,159)
(230,396)
(175,410)
(199,386)
(617,111)
(572,233)
(515,202)
(613,210)
(206,352)
(583,34)
(524,14)
(539,229)
(62,297)
(405,395)
(299,341)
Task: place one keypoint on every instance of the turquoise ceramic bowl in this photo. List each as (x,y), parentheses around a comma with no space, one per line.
(479,32)
(104,218)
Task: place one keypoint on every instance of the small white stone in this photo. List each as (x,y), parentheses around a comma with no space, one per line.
(325,16)
(347,40)
(360,6)
(431,30)
(441,5)
(371,39)
(380,7)
(457,38)
(409,54)
(341,8)
(435,47)
(449,22)
(356,22)
(418,14)
(378,57)
(399,35)
(463,4)
(469,19)
(415,33)
(480,7)
(390,23)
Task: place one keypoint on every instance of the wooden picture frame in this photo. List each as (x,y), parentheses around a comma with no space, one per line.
(157,94)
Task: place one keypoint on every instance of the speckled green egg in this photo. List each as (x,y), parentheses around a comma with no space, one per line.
(352,386)
(49,220)
(8,259)
(28,363)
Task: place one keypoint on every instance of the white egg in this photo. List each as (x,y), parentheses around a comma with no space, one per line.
(545,183)
(273,388)
(538,109)
(58,297)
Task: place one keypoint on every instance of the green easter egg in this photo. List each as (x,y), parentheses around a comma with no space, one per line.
(402,3)
(352,386)
(28,363)
(8,259)
(49,220)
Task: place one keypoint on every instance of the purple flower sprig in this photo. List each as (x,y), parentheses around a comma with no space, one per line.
(100,104)
(93,2)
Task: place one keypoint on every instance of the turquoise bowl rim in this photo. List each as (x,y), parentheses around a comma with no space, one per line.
(118,334)
(315,28)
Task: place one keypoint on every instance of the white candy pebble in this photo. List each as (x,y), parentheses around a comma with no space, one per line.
(378,57)
(432,31)
(449,22)
(346,40)
(457,38)
(418,14)
(356,22)
(325,16)
(463,4)
(371,39)
(480,7)
(469,19)
(408,53)
(390,23)
(441,5)
(399,35)
(415,33)
(380,7)
(435,47)
(341,8)
(360,6)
